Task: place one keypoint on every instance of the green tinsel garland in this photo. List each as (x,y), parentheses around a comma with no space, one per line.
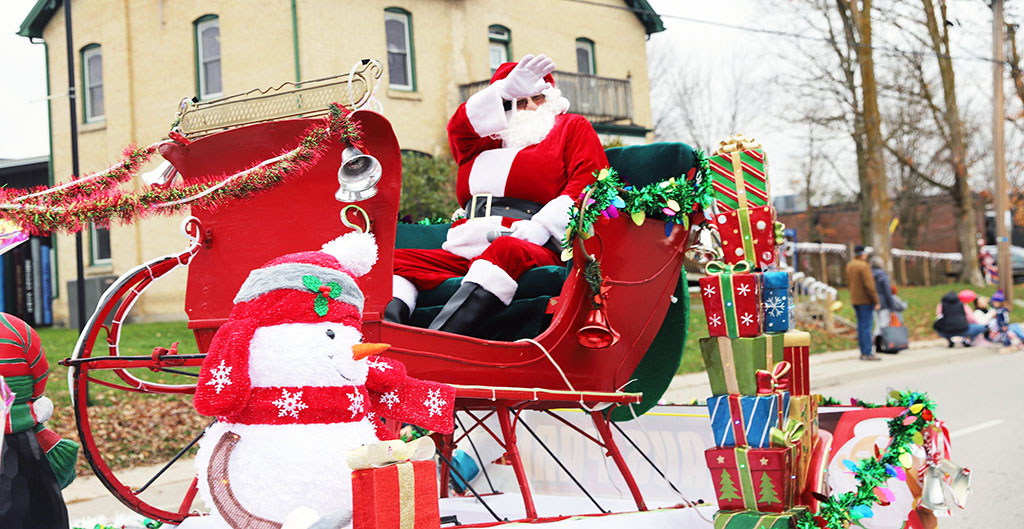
(671,200)
(838,511)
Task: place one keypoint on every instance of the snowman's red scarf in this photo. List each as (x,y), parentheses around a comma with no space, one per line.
(388,393)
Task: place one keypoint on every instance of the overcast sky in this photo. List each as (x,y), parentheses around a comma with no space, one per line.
(23,126)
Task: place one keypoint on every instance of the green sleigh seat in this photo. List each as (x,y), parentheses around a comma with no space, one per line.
(527,316)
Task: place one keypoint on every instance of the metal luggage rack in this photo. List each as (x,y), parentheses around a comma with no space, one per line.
(288,100)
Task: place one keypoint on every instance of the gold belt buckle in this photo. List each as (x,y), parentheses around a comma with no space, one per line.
(487,209)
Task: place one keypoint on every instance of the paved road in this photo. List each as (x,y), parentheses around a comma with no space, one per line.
(978,395)
(977,391)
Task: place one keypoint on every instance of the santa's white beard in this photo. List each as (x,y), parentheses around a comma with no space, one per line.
(526,127)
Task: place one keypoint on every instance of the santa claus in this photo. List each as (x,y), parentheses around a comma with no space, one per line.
(522,162)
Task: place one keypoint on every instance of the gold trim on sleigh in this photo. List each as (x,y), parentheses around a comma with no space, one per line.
(287,100)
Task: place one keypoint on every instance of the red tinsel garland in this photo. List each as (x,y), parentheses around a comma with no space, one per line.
(97,199)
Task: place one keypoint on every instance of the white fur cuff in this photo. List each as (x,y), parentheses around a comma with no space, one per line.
(404,290)
(493,279)
(485,112)
(555,216)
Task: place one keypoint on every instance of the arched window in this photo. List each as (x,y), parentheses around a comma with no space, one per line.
(499,45)
(401,59)
(585,62)
(208,70)
(92,83)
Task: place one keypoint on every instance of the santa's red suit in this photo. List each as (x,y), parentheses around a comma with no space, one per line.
(551,173)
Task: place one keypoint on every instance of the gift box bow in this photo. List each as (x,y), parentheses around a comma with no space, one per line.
(717,268)
(377,455)
(736,143)
(780,233)
(769,382)
(787,436)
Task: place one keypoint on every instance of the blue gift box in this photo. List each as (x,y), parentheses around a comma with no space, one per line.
(776,302)
(759,414)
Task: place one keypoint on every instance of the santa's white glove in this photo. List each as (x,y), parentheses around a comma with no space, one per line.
(43,409)
(527,78)
(530,231)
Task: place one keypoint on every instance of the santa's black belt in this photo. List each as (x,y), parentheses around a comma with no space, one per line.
(484,205)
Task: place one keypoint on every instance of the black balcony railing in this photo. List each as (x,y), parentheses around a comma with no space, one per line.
(599,99)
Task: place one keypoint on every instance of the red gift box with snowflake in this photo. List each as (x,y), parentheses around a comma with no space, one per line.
(399,496)
(732,300)
(757,479)
(748,234)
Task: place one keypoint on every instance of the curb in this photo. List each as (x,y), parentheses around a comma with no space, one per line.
(833,368)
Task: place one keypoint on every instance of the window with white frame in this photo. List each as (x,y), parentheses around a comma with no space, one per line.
(398,32)
(499,42)
(92,82)
(99,244)
(585,57)
(208,73)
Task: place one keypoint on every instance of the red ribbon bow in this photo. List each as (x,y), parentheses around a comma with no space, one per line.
(769,382)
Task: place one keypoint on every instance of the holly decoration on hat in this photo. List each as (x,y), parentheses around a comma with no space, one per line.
(323,291)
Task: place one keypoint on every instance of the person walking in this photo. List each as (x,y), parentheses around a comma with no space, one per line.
(886,303)
(863,297)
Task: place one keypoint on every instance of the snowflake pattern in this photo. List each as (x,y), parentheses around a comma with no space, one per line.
(775,305)
(715,320)
(747,319)
(709,290)
(743,289)
(378,365)
(389,399)
(221,377)
(434,403)
(289,404)
(355,404)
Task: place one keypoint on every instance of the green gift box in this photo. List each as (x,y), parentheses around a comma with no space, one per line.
(758,520)
(731,363)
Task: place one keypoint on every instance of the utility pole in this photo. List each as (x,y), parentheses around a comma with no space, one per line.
(73,104)
(1003,218)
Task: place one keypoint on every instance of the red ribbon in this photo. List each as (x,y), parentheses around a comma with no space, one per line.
(739,430)
(769,382)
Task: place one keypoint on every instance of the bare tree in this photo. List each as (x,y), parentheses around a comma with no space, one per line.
(856,16)
(948,127)
(692,105)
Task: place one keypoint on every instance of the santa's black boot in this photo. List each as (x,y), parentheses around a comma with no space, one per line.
(397,311)
(465,312)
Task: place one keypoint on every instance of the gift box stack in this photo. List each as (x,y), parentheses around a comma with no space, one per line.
(763,417)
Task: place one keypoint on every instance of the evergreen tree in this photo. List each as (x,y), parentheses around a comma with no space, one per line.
(768,494)
(726,488)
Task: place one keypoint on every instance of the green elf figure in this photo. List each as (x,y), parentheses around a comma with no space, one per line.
(35,463)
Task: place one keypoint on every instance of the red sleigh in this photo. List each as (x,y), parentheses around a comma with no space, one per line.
(582,359)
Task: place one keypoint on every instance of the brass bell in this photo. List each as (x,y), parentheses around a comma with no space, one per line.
(596,333)
(357,176)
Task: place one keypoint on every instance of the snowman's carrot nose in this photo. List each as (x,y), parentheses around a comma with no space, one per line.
(362,350)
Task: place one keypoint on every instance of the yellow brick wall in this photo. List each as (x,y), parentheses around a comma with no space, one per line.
(149,66)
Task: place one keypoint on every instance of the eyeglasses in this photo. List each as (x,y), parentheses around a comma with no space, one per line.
(537,100)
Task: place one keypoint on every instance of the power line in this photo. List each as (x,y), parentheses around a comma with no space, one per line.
(799,36)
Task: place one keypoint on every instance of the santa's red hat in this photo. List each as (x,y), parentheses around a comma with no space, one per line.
(506,68)
(305,287)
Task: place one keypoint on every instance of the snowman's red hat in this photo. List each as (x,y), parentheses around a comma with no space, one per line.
(305,287)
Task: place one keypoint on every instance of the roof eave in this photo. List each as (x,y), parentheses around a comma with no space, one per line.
(38,17)
(647,15)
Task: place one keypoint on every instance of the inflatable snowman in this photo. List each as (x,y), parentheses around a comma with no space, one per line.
(294,390)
